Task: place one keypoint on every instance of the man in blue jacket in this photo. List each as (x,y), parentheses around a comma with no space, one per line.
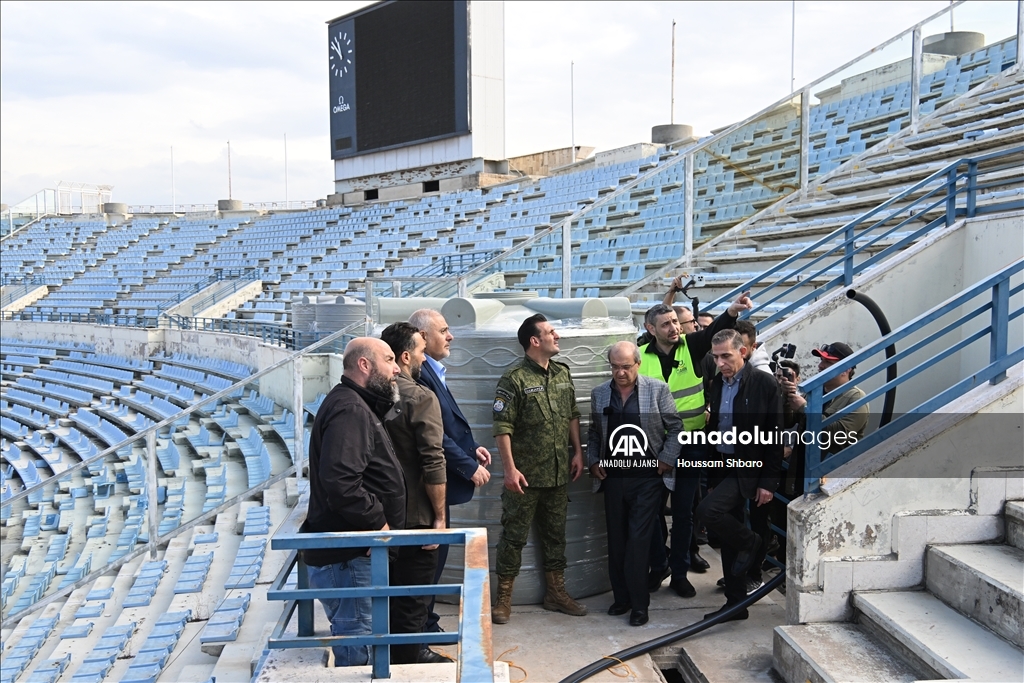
(466,461)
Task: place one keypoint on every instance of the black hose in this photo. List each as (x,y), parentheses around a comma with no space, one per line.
(890,350)
(612,660)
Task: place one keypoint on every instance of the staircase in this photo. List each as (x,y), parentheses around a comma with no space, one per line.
(966,621)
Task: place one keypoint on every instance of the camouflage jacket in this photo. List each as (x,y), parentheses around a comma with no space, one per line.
(534,407)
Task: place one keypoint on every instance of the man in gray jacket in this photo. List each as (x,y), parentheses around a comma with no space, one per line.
(633,440)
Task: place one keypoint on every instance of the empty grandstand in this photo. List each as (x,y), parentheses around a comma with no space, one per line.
(160,373)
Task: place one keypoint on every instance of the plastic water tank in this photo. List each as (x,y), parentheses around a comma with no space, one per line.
(326,314)
(484,347)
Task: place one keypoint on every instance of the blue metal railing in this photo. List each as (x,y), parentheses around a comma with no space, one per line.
(938,207)
(239,280)
(449,265)
(20,287)
(999,290)
(278,335)
(88,318)
(269,333)
(473,635)
(244,275)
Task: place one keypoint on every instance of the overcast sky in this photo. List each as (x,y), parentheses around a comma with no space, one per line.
(99,93)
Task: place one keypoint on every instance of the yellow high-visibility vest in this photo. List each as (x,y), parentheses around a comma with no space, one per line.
(686,387)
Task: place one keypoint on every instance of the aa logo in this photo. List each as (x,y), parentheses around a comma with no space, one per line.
(628,441)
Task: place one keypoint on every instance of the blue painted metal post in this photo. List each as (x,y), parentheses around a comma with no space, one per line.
(475,651)
(379,577)
(951,197)
(1000,325)
(848,255)
(972,188)
(812,453)
(305,607)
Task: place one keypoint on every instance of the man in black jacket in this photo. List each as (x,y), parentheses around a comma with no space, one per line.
(743,433)
(355,483)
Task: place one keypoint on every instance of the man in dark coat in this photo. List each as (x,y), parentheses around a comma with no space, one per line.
(355,484)
(743,432)
(466,461)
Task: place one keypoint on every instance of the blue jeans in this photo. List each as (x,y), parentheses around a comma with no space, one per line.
(349,617)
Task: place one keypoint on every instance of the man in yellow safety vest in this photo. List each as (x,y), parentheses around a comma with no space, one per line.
(674,357)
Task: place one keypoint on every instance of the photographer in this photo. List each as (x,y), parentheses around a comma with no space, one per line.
(852,425)
(793,422)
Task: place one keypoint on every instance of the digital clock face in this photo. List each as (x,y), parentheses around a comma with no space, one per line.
(341,54)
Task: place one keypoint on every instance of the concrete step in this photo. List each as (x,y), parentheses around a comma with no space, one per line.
(985,582)
(828,653)
(938,639)
(1015,523)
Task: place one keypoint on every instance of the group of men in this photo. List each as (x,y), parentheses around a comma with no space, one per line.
(390,449)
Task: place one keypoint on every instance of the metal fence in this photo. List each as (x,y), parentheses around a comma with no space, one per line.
(474,632)
(995,316)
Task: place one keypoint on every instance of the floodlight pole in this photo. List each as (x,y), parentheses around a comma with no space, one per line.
(672,87)
(286,170)
(172,180)
(229,170)
(792,50)
(572,108)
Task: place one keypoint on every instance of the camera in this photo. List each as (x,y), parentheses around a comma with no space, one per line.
(784,351)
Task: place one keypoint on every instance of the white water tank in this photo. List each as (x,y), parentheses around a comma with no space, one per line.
(484,347)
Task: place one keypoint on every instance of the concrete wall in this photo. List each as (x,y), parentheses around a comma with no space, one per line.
(487,78)
(880,78)
(911,283)
(944,480)
(640,150)
(320,372)
(130,342)
(541,163)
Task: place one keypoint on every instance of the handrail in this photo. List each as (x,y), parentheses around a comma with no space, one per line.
(1000,359)
(118,320)
(249,275)
(20,289)
(474,632)
(242,274)
(21,227)
(149,436)
(943,195)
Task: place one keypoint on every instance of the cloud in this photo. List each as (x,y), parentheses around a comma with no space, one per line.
(100,92)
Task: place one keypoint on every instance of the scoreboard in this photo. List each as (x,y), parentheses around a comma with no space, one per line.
(399,75)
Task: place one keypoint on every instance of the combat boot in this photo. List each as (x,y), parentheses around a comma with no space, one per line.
(502,609)
(557,600)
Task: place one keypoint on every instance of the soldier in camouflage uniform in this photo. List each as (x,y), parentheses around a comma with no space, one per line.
(535,421)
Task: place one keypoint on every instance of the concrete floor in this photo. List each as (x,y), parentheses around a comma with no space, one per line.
(548,646)
(544,647)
